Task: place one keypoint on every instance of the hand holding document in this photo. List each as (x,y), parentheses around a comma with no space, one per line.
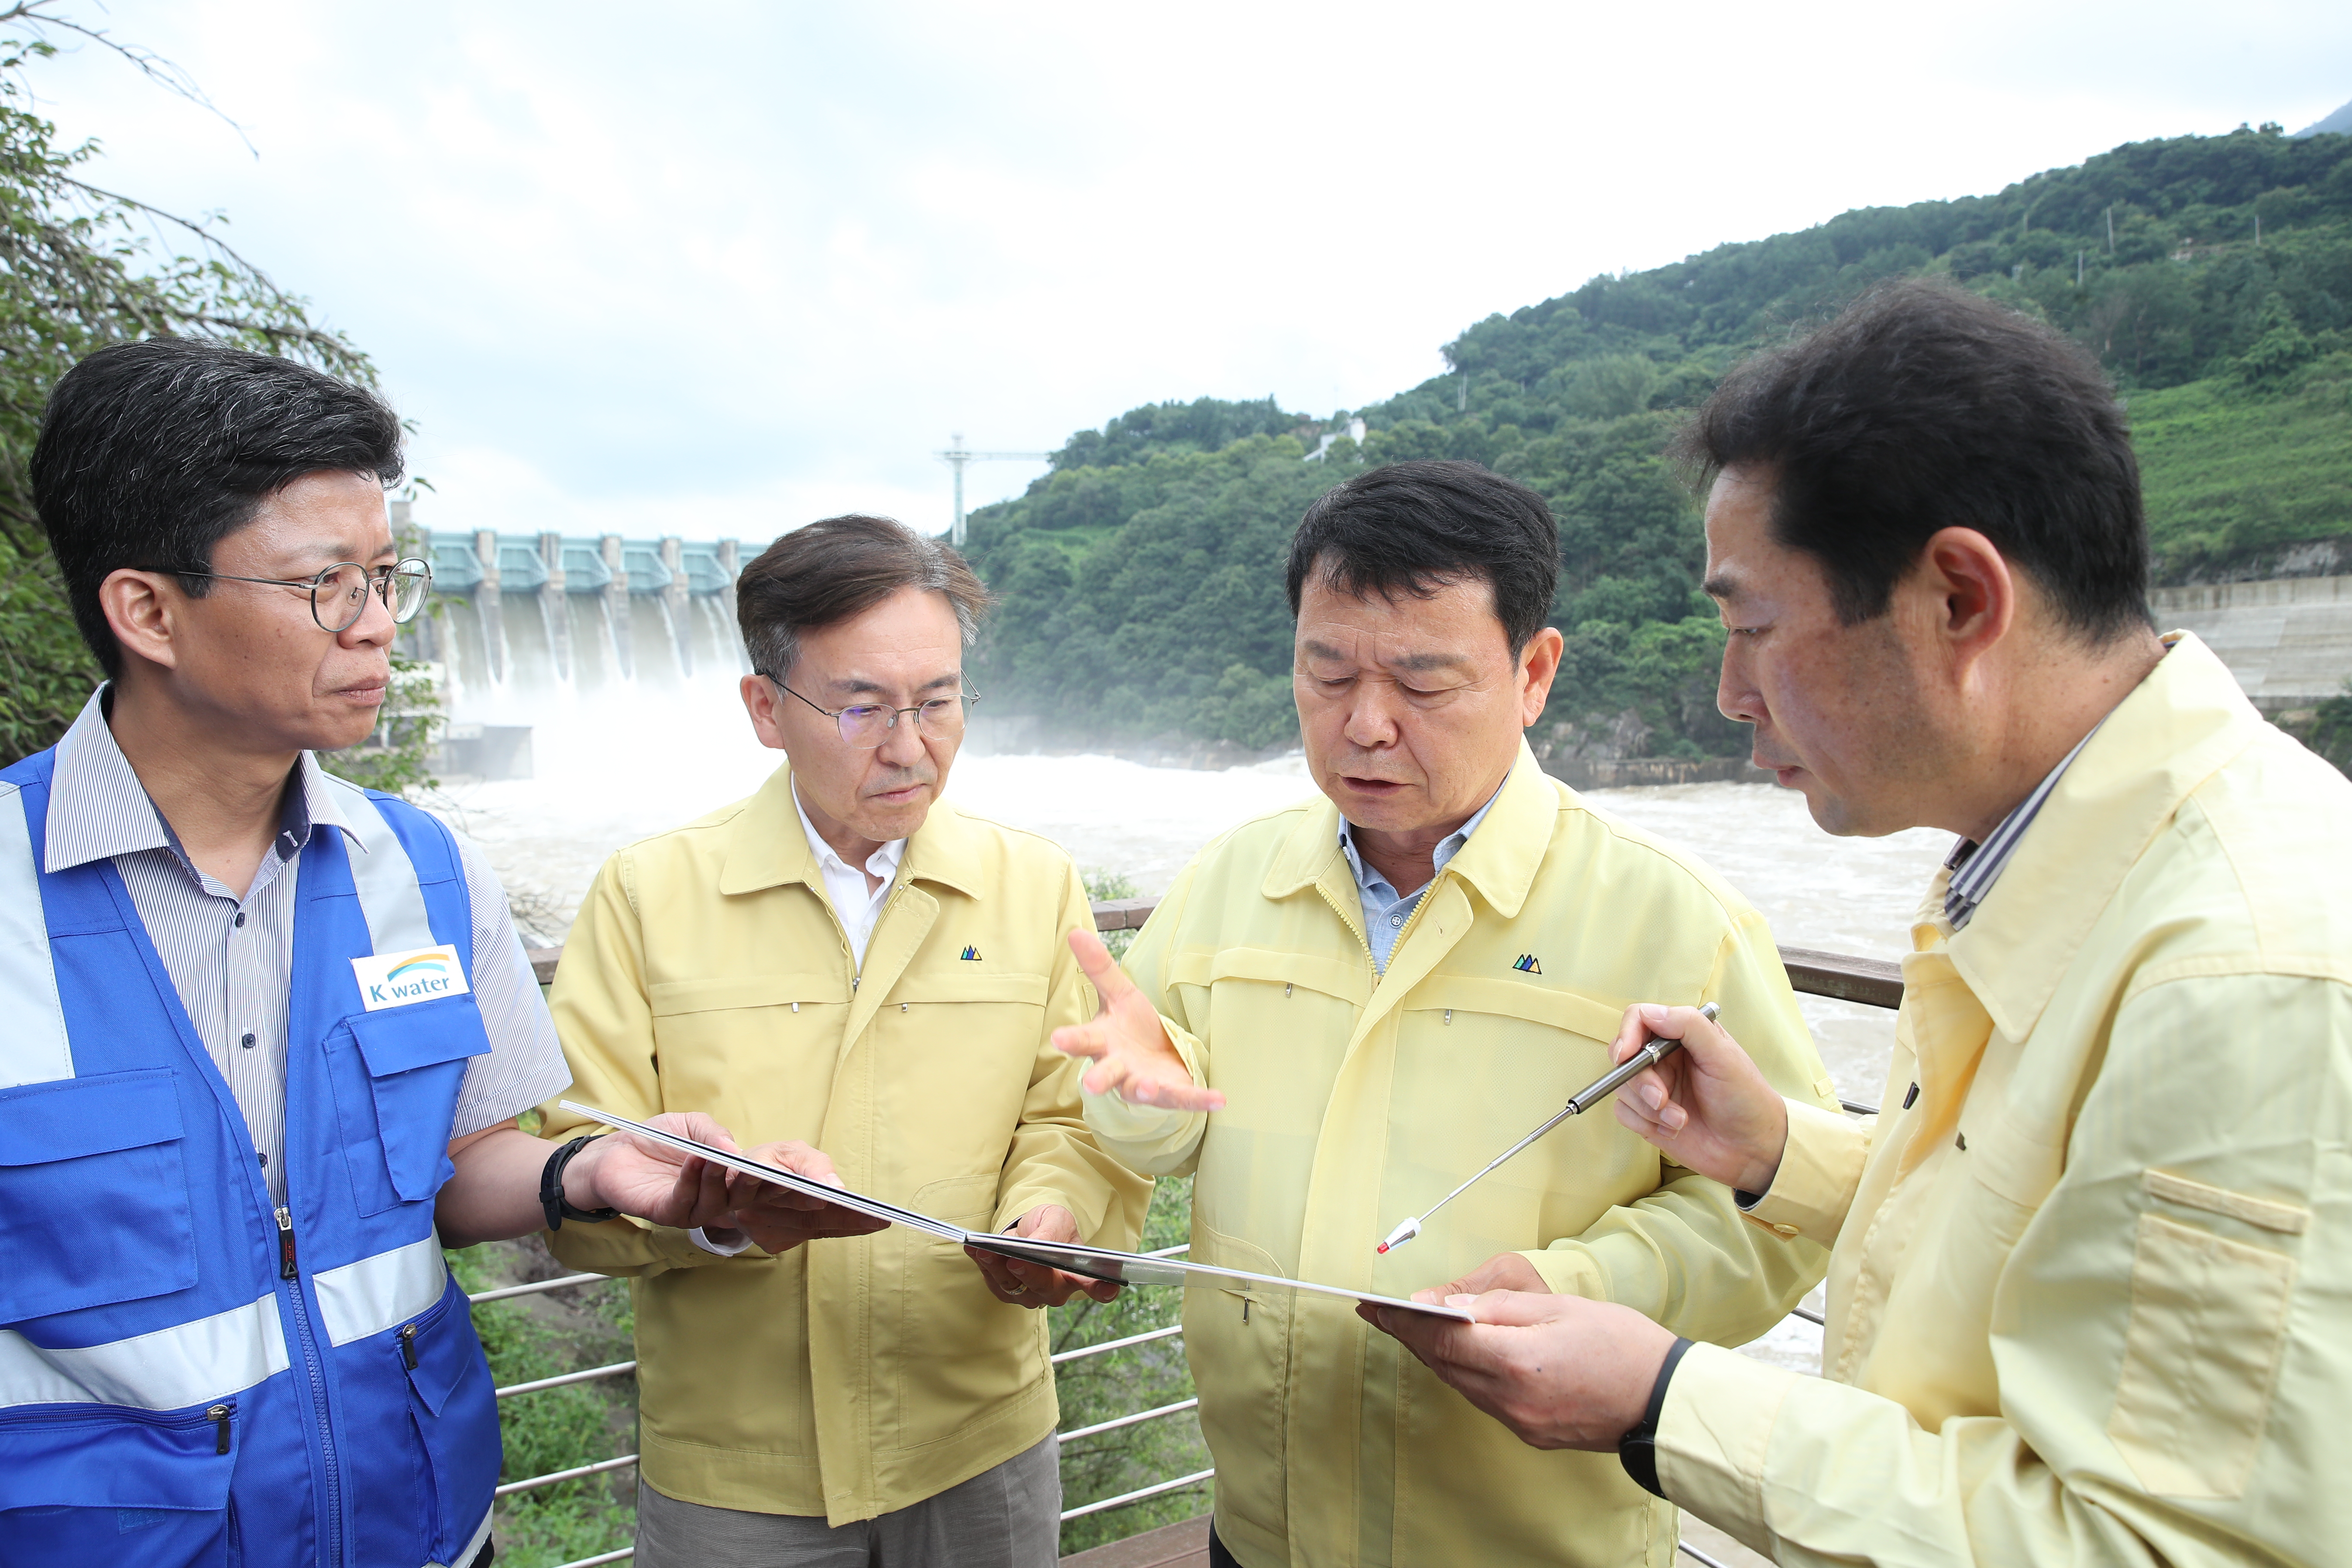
(780,1218)
(1070,1257)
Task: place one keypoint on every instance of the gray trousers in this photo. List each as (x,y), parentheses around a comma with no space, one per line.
(1009,1516)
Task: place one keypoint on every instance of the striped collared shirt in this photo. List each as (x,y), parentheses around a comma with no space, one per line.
(232,959)
(1385,909)
(1976,867)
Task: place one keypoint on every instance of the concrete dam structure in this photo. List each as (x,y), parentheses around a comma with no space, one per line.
(2287,639)
(523,617)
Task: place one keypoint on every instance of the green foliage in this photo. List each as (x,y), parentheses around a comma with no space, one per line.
(1166,614)
(554,1429)
(1203,425)
(1141,580)
(1103,886)
(2329,732)
(45,673)
(2240,470)
(1123,1382)
(79,270)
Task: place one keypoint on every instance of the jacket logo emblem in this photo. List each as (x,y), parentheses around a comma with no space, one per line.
(971,954)
(1527,965)
(398,979)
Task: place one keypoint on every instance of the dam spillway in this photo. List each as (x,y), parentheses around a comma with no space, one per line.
(522,623)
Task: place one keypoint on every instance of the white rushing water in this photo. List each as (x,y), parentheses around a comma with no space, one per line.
(617,768)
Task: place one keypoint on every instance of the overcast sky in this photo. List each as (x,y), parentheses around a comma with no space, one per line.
(720,270)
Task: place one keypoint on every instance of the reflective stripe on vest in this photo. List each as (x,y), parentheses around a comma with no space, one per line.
(188,1364)
(382,874)
(228,1352)
(33,1048)
(377,1293)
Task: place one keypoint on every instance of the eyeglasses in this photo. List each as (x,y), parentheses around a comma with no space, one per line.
(338,595)
(868,724)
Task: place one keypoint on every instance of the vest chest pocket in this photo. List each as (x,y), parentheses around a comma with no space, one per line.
(395,1075)
(93,1194)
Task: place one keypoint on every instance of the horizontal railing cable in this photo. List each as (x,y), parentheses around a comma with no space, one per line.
(1107,1346)
(1178,1485)
(623,1555)
(1844,976)
(503,1292)
(593,1372)
(534,1483)
(1116,1422)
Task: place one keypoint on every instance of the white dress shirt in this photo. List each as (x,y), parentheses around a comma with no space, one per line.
(844,885)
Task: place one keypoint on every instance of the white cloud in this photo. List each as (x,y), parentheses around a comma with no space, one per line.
(713,271)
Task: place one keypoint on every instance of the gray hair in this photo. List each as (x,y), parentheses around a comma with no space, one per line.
(838,568)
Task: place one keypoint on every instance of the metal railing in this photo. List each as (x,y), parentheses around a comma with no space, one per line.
(1870,982)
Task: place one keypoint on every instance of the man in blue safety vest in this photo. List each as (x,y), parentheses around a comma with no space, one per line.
(249,1065)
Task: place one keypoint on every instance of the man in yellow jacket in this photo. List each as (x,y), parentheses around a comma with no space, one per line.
(2091,1297)
(844,960)
(1340,1010)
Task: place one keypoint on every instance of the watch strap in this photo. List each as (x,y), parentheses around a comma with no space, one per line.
(1637,1450)
(552,1201)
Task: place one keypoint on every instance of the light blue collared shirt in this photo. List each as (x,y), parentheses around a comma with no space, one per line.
(1385,909)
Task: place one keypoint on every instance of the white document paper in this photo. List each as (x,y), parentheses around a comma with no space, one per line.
(1093,1262)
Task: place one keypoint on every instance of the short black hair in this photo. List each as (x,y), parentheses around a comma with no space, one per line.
(151,452)
(1922,407)
(1413,528)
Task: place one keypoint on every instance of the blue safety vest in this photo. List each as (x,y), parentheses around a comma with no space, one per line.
(187,1376)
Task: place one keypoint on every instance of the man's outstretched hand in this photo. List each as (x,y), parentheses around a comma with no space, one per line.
(1707,1106)
(1560,1372)
(1126,1042)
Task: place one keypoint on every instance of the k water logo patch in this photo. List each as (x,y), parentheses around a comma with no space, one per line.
(971,955)
(397,979)
(1528,964)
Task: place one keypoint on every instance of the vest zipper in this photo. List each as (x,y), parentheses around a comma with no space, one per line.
(331,1507)
(218,1416)
(408,1346)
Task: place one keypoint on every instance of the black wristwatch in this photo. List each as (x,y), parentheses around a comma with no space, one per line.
(551,1200)
(1637,1450)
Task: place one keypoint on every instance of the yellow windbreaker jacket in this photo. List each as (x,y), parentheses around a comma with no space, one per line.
(2090,1300)
(707,972)
(1354,1099)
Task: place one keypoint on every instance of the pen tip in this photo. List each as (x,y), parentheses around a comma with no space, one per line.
(1381,1247)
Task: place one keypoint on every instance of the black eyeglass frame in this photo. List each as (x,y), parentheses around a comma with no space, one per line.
(968,697)
(379,581)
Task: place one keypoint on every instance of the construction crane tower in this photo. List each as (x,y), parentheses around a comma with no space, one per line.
(956,456)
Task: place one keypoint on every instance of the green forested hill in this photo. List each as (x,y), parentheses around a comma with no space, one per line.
(2212,274)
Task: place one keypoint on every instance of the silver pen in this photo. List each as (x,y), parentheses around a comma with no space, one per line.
(1582,1100)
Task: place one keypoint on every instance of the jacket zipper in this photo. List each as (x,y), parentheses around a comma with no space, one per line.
(1362,941)
(333,1505)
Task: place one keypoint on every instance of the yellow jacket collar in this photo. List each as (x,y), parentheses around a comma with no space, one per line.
(1501,860)
(766,848)
(2169,736)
